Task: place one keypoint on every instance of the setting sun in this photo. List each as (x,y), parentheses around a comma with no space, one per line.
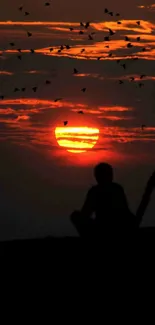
(77,139)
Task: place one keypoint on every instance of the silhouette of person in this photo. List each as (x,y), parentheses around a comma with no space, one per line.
(145,198)
(109,203)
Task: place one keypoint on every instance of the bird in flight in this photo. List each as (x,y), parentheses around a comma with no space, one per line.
(129,45)
(29,34)
(87,25)
(106,38)
(19,57)
(20,8)
(83,89)
(47,4)
(138,38)
(132,78)
(111,32)
(1,97)
(32,51)
(16,89)
(121,82)
(127,38)
(48,82)
(138,22)
(124,65)
(90,38)
(23,89)
(142,76)
(82,50)
(12,44)
(143,127)
(75,71)
(141,84)
(57,99)
(26,13)
(81,32)
(80,112)
(34,89)
(106,11)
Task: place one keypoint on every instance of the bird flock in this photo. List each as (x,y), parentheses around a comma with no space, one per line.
(84,26)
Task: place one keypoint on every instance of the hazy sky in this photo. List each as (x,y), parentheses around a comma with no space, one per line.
(42,182)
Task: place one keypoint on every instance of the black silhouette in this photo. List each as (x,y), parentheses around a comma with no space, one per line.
(108,201)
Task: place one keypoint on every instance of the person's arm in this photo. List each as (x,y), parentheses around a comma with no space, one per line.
(145,198)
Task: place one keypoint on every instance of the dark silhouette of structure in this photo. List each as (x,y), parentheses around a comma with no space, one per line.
(109,203)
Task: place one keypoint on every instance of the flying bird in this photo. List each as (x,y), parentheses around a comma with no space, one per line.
(51,49)
(90,38)
(117,15)
(48,82)
(111,32)
(143,127)
(20,8)
(67,47)
(124,65)
(129,45)
(142,76)
(127,38)
(32,51)
(119,22)
(82,50)
(132,78)
(16,89)
(82,25)
(65,123)
(138,22)
(118,61)
(83,89)
(110,13)
(19,50)
(138,38)
(141,84)
(29,34)
(57,99)
(12,44)
(23,89)
(26,13)
(71,29)
(34,89)
(110,55)
(81,32)
(87,25)
(106,11)
(47,4)
(121,82)
(106,38)
(1,97)
(19,57)
(75,71)
(99,58)
(107,46)
(80,112)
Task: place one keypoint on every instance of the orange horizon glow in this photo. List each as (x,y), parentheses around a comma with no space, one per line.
(76,139)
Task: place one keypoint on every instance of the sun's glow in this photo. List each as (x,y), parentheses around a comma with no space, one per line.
(77,139)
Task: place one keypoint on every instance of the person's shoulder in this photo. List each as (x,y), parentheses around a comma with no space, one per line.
(92,190)
(118,187)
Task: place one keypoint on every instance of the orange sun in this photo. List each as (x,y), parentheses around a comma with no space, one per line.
(76,139)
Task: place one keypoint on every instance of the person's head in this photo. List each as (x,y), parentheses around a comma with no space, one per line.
(103,173)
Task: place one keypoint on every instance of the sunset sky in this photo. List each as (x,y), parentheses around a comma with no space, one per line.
(42,182)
